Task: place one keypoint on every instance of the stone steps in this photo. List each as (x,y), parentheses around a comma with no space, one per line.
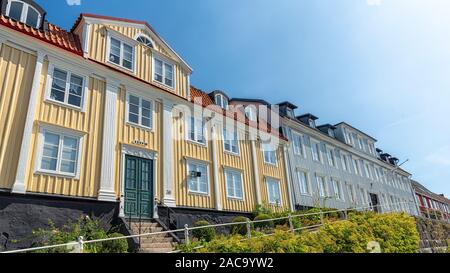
(158,243)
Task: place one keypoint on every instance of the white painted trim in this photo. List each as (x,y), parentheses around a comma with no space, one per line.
(24,13)
(167,154)
(256,172)
(62,132)
(141,153)
(53,63)
(123,40)
(127,111)
(217,193)
(236,171)
(19,183)
(154,35)
(157,56)
(288,179)
(201,163)
(107,181)
(142,34)
(86,39)
(279,190)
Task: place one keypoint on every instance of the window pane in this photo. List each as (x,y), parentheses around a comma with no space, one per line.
(58,85)
(146,122)
(15,11)
(32,17)
(67,166)
(114,55)
(133,118)
(50,153)
(146,104)
(158,70)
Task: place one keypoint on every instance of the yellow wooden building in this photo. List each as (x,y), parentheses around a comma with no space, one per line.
(105,113)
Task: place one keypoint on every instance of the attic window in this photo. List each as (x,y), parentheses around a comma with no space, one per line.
(23,12)
(331,132)
(144,40)
(311,123)
(290,113)
(221,100)
(250,112)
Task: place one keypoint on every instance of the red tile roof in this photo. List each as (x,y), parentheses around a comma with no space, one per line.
(54,35)
(206,101)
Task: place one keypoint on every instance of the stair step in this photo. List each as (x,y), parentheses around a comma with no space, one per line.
(144,230)
(157,245)
(156,250)
(152,240)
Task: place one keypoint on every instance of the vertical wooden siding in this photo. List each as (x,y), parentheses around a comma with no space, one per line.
(182,150)
(242,163)
(90,123)
(127,134)
(278,172)
(16,78)
(143,56)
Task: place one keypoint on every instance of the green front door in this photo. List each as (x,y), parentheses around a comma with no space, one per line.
(138,187)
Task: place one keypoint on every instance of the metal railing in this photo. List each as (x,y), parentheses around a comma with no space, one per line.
(79,245)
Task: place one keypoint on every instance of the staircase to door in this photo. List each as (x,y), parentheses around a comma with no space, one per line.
(159,243)
(140,205)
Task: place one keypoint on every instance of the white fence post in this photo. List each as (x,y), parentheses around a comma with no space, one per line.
(80,244)
(186,234)
(291,223)
(249,229)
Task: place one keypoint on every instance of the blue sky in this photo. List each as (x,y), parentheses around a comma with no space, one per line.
(382,66)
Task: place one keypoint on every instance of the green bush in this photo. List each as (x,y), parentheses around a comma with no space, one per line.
(394,232)
(115,246)
(262,209)
(263,225)
(86,227)
(204,234)
(240,229)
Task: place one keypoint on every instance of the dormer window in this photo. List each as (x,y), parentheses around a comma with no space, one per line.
(144,40)
(290,113)
(331,132)
(221,100)
(250,113)
(23,12)
(312,123)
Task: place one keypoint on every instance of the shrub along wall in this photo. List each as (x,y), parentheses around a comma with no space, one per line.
(396,233)
(434,235)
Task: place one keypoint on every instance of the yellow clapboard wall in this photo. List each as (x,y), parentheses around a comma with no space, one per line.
(16,78)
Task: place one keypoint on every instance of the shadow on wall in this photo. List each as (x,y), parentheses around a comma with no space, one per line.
(21,214)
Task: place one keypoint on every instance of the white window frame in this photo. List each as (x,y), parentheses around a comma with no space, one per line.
(239,173)
(308,182)
(340,195)
(198,163)
(277,181)
(250,112)
(331,156)
(223,101)
(272,150)
(225,134)
(138,35)
(165,61)
(298,150)
(356,166)
(24,14)
(62,132)
(351,193)
(127,111)
(203,142)
(344,162)
(325,188)
(319,153)
(123,40)
(70,71)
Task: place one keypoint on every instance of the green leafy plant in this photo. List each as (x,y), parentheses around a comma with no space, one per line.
(267,224)
(85,227)
(204,234)
(240,228)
